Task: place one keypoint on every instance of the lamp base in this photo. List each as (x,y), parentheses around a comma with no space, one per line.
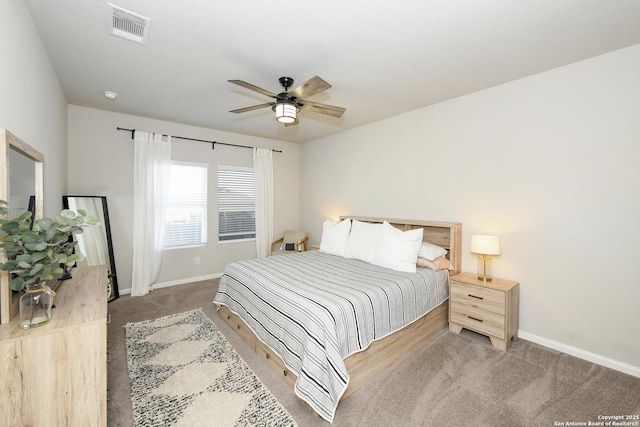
(484,268)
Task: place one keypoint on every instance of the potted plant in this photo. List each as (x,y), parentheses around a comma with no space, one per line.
(34,254)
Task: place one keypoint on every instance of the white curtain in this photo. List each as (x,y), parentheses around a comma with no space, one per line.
(152,163)
(263,172)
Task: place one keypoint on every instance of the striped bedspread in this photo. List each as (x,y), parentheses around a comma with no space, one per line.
(315,309)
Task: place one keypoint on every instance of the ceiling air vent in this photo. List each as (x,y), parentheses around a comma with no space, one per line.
(129,25)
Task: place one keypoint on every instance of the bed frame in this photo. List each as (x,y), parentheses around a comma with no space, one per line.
(383,353)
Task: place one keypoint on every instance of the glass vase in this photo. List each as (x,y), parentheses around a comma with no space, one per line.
(35,305)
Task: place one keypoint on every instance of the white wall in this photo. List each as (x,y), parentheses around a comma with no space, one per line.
(548,163)
(101,163)
(32,105)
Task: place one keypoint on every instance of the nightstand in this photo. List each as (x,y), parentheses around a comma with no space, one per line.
(489,308)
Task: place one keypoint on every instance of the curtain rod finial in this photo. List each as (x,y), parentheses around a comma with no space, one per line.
(133,131)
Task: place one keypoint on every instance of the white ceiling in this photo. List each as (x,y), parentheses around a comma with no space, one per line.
(383,58)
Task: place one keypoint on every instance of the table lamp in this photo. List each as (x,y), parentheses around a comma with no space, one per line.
(485,246)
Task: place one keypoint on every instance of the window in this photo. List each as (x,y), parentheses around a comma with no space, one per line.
(236,204)
(186,220)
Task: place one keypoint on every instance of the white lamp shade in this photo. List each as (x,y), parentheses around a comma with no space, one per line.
(485,245)
(285,112)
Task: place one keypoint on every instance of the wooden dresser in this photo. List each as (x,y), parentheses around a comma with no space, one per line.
(489,308)
(56,374)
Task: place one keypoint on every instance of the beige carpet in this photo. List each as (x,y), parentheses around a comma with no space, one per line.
(451,380)
(184,373)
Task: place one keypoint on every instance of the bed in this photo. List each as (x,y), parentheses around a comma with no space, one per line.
(327,324)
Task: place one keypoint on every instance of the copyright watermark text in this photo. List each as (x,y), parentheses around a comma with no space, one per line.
(604,421)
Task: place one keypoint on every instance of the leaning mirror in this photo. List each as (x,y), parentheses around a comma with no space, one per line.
(95,242)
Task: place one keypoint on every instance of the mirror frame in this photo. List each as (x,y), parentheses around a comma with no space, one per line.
(112,276)
(8,141)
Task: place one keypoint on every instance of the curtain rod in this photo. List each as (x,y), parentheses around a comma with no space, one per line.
(213,143)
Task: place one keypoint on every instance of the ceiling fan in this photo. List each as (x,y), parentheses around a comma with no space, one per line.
(288,103)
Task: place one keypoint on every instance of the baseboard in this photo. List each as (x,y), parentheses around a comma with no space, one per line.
(582,354)
(176,282)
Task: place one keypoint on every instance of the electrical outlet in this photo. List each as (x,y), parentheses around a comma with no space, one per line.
(197,260)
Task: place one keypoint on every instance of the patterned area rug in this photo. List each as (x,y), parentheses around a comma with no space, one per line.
(184,373)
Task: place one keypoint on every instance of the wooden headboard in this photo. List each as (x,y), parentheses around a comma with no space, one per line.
(445,234)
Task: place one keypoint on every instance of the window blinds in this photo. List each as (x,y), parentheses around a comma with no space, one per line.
(236,203)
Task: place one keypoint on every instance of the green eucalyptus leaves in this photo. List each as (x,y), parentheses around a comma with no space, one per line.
(34,254)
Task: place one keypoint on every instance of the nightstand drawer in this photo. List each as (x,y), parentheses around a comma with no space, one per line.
(476,296)
(478,319)
(490,308)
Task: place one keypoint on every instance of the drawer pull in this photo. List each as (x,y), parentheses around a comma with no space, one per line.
(268,356)
(474,296)
(228,317)
(238,326)
(473,318)
(284,373)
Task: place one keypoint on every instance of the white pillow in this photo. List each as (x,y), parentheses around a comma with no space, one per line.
(431,251)
(334,237)
(398,250)
(362,241)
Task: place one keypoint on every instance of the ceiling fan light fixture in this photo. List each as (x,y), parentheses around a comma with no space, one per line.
(285,112)
(287,104)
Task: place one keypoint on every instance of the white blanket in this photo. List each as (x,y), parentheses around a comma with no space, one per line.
(314,310)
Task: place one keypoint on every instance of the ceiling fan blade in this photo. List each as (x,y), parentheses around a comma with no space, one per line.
(316,107)
(253,88)
(253,107)
(310,87)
